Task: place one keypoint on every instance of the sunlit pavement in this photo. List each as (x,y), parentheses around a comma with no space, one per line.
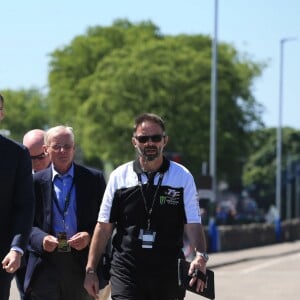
(224,260)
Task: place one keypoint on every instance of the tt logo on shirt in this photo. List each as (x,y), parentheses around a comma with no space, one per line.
(171,197)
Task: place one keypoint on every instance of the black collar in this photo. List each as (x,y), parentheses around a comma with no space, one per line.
(163,168)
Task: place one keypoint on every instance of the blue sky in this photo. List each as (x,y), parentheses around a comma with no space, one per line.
(32,29)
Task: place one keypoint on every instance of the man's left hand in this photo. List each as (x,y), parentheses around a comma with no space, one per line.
(197,264)
(79,240)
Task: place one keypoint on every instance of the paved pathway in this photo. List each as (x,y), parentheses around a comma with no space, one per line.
(251,273)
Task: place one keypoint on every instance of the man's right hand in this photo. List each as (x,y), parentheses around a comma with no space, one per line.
(12,261)
(50,243)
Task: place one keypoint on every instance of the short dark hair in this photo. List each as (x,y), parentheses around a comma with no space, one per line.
(1,98)
(149,117)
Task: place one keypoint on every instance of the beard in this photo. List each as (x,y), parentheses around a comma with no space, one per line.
(149,153)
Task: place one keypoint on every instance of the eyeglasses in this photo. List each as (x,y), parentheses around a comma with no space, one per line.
(156,138)
(39,156)
(58,147)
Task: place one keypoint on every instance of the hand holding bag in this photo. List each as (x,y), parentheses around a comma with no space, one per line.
(184,279)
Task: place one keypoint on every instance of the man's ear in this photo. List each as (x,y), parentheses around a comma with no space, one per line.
(45,148)
(166,139)
(133,141)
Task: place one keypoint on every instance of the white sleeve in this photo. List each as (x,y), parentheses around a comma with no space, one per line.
(191,203)
(105,207)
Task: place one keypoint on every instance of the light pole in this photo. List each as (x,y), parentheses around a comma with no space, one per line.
(279,128)
(213,108)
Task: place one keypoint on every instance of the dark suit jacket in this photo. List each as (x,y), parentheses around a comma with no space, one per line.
(90,186)
(16,196)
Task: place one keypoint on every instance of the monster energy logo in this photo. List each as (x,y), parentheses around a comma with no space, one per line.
(162,200)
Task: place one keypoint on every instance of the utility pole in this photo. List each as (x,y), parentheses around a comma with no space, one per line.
(279,128)
(213,108)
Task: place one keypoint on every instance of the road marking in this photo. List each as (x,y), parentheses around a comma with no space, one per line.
(270,263)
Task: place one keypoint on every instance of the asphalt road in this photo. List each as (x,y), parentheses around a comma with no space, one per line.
(270,272)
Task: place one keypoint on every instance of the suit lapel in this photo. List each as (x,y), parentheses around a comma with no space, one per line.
(82,191)
(46,189)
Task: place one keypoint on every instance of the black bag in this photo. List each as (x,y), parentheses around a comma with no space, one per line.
(184,279)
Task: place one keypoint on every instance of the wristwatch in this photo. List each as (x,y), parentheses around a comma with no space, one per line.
(90,271)
(204,255)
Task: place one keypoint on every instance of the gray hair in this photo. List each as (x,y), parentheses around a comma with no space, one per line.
(58,129)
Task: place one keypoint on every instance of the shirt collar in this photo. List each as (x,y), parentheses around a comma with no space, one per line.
(163,168)
(56,174)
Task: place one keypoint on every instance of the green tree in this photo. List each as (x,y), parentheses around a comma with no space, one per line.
(24,110)
(260,169)
(104,79)
(71,66)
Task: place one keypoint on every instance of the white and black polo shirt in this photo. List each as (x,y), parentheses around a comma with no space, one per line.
(127,201)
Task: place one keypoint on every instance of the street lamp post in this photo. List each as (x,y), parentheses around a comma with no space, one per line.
(279,128)
(213,109)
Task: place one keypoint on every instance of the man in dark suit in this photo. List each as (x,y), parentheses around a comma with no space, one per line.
(33,140)
(68,197)
(16,207)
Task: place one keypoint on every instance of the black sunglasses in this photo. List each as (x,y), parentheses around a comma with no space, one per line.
(145,138)
(39,156)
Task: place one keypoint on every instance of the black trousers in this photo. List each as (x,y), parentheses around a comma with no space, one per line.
(5,281)
(148,285)
(59,277)
(19,277)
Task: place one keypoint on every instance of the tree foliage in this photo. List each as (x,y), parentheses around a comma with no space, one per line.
(260,169)
(103,79)
(24,110)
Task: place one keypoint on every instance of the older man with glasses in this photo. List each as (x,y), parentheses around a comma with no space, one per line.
(34,141)
(68,196)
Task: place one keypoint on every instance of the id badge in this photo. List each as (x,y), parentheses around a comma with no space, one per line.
(148,237)
(63,245)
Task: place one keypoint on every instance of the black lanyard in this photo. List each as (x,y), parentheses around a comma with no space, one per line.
(149,211)
(67,201)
